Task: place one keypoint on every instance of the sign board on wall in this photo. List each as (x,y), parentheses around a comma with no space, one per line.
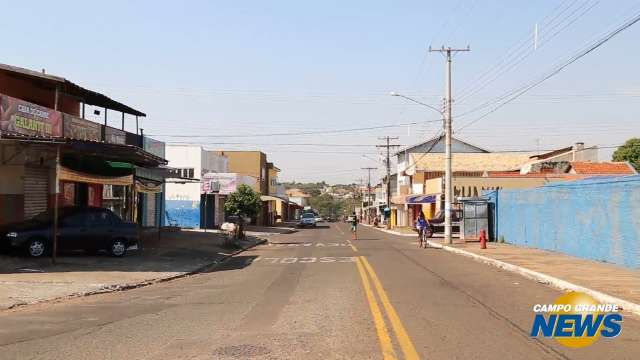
(76,128)
(154,147)
(22,117)
(224,183)
(114,136)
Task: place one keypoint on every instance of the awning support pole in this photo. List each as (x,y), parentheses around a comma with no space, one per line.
(123,121)
(55,207)
(105,116)
(83,110)
(137,130)
(57,96)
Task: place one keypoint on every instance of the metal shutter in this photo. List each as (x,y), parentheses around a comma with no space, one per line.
(36,186)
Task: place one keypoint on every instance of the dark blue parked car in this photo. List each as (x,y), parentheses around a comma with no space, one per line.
(79,228)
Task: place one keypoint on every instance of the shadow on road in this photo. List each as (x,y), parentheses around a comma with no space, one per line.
(174,251)
(233,263)
(315,227)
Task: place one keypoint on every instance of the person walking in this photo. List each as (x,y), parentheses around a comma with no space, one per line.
(354,227)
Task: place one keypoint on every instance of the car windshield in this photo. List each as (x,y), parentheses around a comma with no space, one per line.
(308,216)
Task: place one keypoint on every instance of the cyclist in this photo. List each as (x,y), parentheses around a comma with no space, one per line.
(421,226)
(354,226)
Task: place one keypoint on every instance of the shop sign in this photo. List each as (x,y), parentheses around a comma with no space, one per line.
(114,136)
(22,117)
(221,183)
(81,129)
(154,147)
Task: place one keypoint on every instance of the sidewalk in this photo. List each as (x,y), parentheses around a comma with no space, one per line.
(561,271)
(175,254)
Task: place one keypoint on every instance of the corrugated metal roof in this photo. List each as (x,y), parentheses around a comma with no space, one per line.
(71,89)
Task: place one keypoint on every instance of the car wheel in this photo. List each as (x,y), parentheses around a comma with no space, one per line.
(118,248)
(36,247)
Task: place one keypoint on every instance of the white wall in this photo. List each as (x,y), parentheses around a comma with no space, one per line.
(184,156)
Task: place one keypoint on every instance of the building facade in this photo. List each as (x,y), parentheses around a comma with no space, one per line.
(51,155)
(191,201)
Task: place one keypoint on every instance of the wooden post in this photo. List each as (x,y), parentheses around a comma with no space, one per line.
(83,110)
(204,218)
(55,207)
(123,121)
(137,131)
(105,116)
(57,96)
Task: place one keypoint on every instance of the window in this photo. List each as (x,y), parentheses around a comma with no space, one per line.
(76,220)
(185,173)
(101,218)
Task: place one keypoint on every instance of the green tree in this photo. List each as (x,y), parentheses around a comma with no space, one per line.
(327,205)
(244,202)
(630,152)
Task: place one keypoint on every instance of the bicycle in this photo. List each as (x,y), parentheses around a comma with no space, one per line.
(423,235)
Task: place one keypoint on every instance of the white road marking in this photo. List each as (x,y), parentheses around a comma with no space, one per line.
(307,244)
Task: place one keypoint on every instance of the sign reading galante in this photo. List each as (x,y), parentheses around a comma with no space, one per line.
(22,117)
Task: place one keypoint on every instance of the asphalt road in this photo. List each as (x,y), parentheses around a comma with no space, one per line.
(313,294)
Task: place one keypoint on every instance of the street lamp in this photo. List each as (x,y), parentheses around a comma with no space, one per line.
(447,163)
(417,102)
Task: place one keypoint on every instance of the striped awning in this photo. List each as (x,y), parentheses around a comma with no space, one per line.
(66,174)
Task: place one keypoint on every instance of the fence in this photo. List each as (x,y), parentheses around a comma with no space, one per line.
(597,219)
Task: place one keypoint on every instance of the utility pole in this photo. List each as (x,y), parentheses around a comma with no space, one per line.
(388,146)
(359,193)
(368,190)
(448,193)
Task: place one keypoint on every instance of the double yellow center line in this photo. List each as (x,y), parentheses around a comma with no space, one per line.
(369,276)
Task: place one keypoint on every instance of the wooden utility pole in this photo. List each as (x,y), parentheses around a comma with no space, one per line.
(388,146)
(54,235)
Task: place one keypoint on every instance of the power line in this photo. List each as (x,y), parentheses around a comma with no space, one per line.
(297,133)
(271,144)
(513,95)
(523,56)
(514,49)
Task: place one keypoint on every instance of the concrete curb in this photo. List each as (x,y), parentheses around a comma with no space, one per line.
(125,287)
(533,275)
(543,278)
(390,231)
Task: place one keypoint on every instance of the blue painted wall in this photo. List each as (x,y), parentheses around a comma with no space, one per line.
(185,212)
(596,219)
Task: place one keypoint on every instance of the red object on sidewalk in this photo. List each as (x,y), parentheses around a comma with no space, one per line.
(483,239)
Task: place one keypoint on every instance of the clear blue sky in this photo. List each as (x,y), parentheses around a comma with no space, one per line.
(247,67)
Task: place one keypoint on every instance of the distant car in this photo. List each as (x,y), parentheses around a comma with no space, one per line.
(307,219)
(319,219)
(79,228)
